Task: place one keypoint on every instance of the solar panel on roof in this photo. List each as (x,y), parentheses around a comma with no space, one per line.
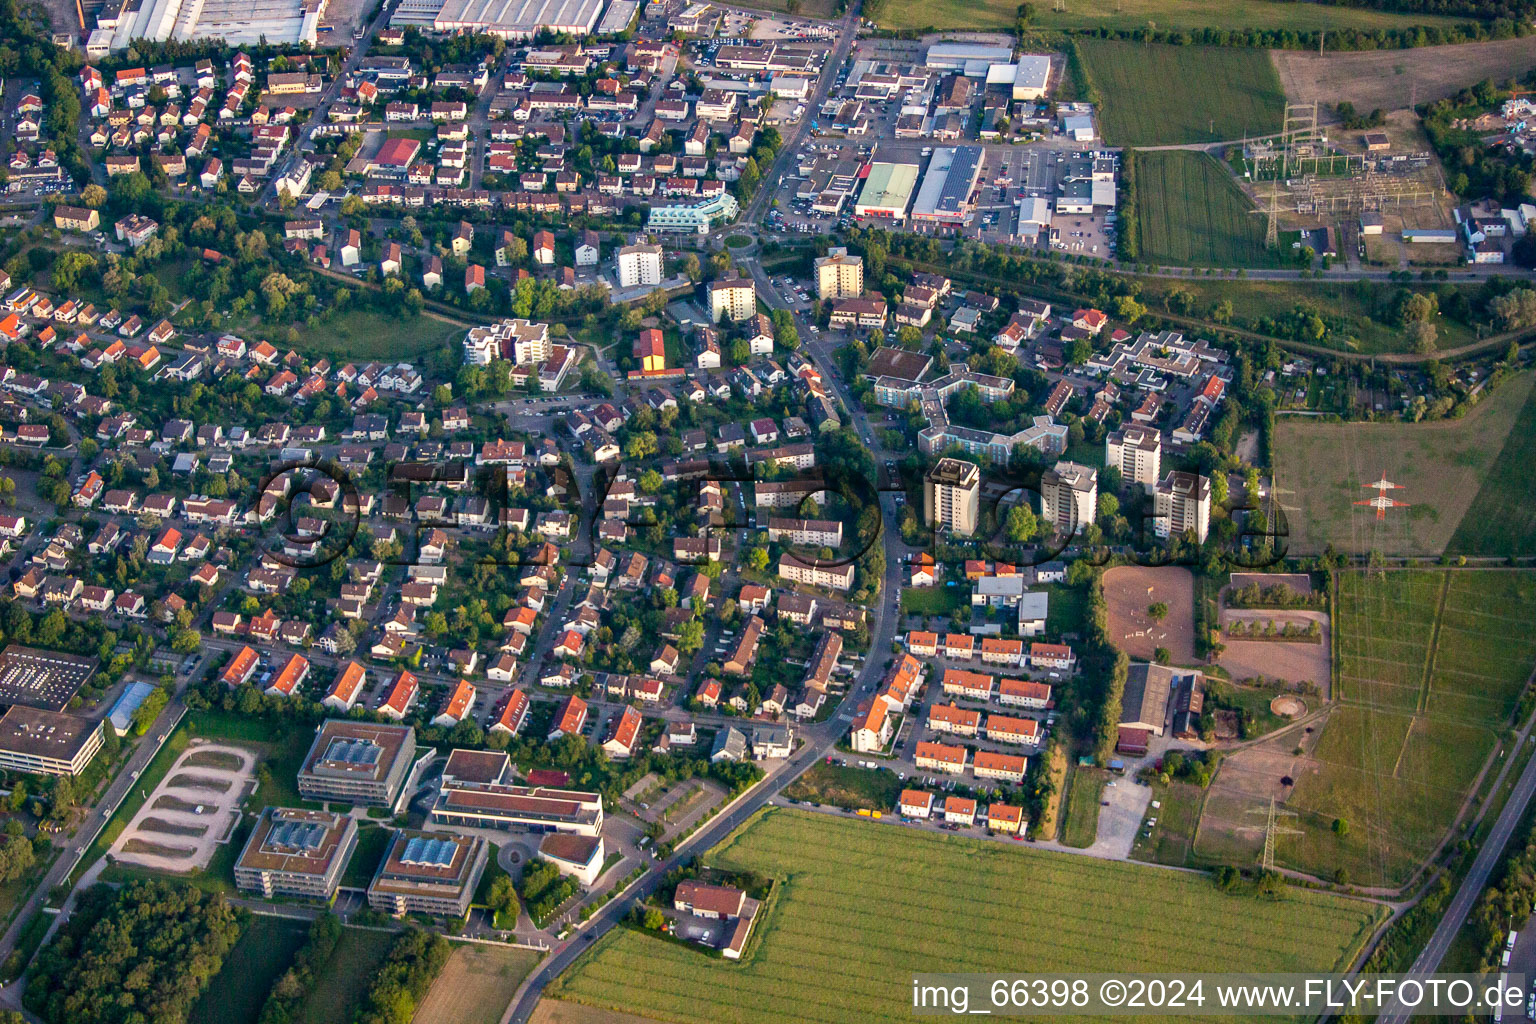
(297,835)
(437,853)
(353,752)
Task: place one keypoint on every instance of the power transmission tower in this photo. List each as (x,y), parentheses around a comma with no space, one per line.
(1300,136)
(1271,828)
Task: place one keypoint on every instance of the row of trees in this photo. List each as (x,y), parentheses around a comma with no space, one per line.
(288,994)
(405,976)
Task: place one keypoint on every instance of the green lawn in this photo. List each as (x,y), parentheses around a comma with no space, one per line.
(264,951)
(1191,213)
(822,783)
(1431,666)
(372,840)
(1134,14)
(347,975)
(1083,796)
(1502,520)
(861,908)
(1155,95)
(365,334)
(1173,837)
(934,600)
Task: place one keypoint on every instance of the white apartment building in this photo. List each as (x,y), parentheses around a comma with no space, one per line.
(952,496)
(1070,495)
(839,275)
(1182,504)
(732,299)
(1138,453)
(639,265)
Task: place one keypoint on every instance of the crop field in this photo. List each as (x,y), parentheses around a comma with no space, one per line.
(1391,79)
(1503,518)
(836,896)
(1191,213)
(1450,472)
(1156,95)
(1132,14)
(263,952)
(476,984)
(1432,665)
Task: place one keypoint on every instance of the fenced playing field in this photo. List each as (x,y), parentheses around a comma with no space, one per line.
(1157,95)
(1431,668)
(862,906)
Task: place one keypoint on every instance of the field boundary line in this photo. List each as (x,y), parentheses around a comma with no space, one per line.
(1434,642)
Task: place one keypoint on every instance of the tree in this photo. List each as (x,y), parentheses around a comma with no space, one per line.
(1422,334)
(757,559)
(1340,827)
(93,196)
(654,920)
(1158,610)
(1023,525)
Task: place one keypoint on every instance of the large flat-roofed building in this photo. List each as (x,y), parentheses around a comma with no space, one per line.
(839,275)
(887,191)
(973,59)
(535,808)
(694,218)
(428,873)
(949,185)
(581,857)
(952,496)
(294,852)
(357,761)
(509,19)
(42,679)
(47,742)
(1031,76)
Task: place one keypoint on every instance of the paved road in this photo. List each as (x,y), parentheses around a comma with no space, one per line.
(1428,960)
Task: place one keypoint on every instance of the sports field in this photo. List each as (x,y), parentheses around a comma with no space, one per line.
(1191,213)
(1155,95)
(1431,666)
(1503,517)
(863,906)
(1452,473)
(1133,14)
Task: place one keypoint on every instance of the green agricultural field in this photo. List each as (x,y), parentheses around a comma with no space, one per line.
(1453,476)
(264,951)
(1503,518)
(1191,213)
(1431,666)
(1134,14)
(1157,95)
(839,918)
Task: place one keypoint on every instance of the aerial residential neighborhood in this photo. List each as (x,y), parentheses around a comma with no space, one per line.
(676,511)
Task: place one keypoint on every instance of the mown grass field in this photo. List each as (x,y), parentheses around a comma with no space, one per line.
(1086,790)
(365,334)
(1191,213)
(933,600)
(1156,95)
(1132,14)
(1503,517)
(862,907)
(1431,666)
(1451,472)
(263,952)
